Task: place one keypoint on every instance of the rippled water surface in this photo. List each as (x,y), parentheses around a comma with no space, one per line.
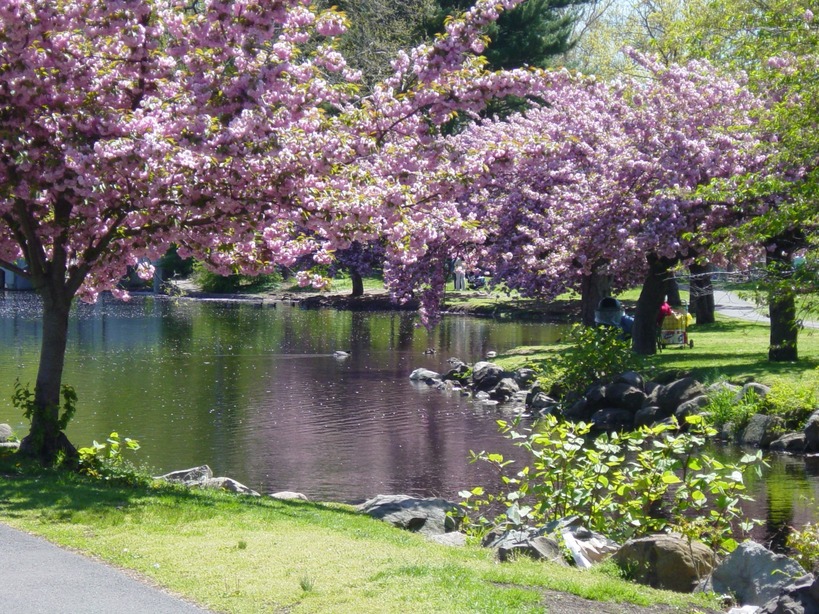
(255,392)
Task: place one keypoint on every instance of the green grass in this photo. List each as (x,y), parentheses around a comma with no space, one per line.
(239,554)
(729,349)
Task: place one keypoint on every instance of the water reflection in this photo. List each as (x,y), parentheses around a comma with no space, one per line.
(255,392)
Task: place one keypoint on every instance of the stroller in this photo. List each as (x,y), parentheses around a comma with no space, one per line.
(673,329)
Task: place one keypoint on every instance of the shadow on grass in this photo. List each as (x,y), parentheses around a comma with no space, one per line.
(57,494)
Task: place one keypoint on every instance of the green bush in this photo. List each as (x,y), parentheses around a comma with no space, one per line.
(792,402)
(621,484)
(229,284)
(805,546)
(594,353)
(724,408)
(105,461)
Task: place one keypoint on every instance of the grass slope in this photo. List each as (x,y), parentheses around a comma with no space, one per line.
(240,554)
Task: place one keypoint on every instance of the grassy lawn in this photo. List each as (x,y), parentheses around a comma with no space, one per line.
(240,554)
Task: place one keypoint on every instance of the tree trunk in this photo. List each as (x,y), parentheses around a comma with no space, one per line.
(644,333)
(45,441)
(593,288)
(702,294)
(358,283)
(672,291)
(782,308)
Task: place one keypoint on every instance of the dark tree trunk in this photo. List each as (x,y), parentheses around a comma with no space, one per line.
(702,294)
(644,333)
(593,288)
(782,306)
(45,441)
(672,291)
(358,283)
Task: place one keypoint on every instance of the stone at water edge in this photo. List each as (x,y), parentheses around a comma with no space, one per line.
(666,561)
(288,495)
(427,516)
(421,375)
(194,475)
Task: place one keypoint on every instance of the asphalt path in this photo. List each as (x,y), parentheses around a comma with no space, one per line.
(39,577)
(732,305)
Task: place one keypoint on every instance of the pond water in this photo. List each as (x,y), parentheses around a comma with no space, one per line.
(255,392)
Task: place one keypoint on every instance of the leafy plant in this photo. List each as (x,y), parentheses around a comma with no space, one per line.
(805,545)
(593,354)
(106,460)
(792,402)
(226,284)
(620,484)
(724,408)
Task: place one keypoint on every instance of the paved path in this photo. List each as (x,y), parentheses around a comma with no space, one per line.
(730,304)
(41,578)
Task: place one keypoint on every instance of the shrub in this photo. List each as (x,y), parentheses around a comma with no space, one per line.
(724,408)
(805,545)
(227,284)
(792,402)
(621,484)
(594,353)
(106,461)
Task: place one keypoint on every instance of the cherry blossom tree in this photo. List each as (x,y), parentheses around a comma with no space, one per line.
(233,129)
(605,176)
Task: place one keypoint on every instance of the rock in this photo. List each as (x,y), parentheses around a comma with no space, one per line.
(754,574)
(455,539)
(761,431)
(422,375)
(456,374)
(690,408)
(524,376)
(596,396)
(192,477)
(625,396)
(541,401)
(666,561)
(585,546)
(5,432)
(504,390)
(720,386)
(790,442)
(812,433)
(230,485)
(580,411)
(486,375)
(527,542)
(647,416)
(755,388)
(287,495)
(746,609)
(632,378)
(671,396)
(799,597)
(427,516)
(613,419)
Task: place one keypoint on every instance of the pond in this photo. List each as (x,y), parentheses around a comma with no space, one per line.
(254,391)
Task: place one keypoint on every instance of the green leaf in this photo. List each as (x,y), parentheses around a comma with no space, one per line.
(670,478)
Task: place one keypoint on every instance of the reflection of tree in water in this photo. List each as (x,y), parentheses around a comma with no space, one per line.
(406,330)
(785,485)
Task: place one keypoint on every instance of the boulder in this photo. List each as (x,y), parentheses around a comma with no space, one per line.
(666,561)
(690,408)
(596,396)
(632,378)
(790,442)
(427,516)
(669,397)
(585,546)
(455,539)
(5,432)
(524,376)
(761,431)
(525,541)
(486,375)
(613,419)
(625,396)
(288,495)
(647,416)
(720,386)
(753,574)
(799,597)
(541,402)
(230,485)
(812,433)
(455,374)
(579,411)
(422,375)
(191,477)
(505,389)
